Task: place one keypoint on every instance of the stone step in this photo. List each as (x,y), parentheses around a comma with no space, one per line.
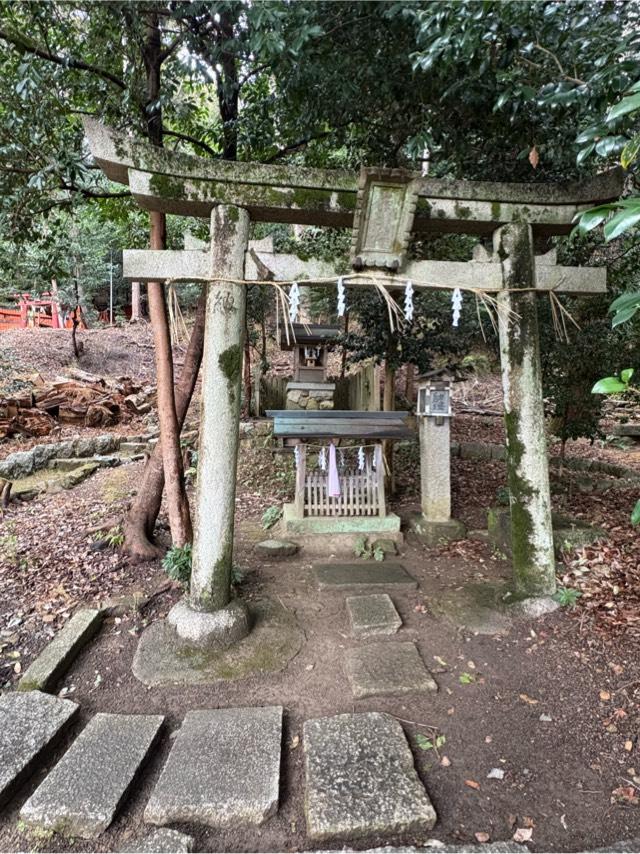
(56,657)
(361,781)
(224,769)
(387,668)
(81,796)
(374,614)
(30,725)
(344,575)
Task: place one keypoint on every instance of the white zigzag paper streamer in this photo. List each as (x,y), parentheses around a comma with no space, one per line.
(361,458)
(322,459)
(294,302)
(456,304)
(408,301)
(342,304)
(296,454)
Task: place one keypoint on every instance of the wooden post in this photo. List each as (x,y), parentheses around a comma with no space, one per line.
(380,473)
(301,476)
(527,464)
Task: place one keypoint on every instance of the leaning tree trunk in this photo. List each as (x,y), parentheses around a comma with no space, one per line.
(146,505)
(177,501)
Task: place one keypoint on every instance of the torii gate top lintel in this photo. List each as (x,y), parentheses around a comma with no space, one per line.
(188,185)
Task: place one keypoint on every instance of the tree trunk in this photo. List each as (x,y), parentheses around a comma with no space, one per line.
(388,405)
(246,369)
(135,302)
(177,502)
(144,511)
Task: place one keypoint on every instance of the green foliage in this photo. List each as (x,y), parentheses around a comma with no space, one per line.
(114,537)
(425,743)
(177,563)
(567,597)
(466,678)
(365,550)
(271,516)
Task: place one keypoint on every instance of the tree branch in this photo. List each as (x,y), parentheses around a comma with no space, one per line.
(23,43)
(186,138)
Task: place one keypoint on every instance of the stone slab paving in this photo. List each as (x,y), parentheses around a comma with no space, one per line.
(223,769)
(56,657)
(30,724)
(374,614)
(361,780)
(164,840)
(345,575)
(387,668)
(81,796)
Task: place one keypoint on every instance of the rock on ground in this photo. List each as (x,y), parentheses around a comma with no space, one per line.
(55,658)
(30,724)
(387,668)
(223,769)
(81,795)
(361,780)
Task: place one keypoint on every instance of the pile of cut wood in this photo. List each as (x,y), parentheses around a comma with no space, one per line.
(80,399)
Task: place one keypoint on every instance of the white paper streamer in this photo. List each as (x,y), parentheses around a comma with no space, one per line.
(296,454)
(322,459)
(342,305)
(456,304)
(408,301)
(361,458)
(342,459)
(294,302)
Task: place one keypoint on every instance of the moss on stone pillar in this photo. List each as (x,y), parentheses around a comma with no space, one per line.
(220,412)
(527,463)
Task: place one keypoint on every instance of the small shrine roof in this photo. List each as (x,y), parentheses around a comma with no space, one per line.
(307,334)
(339,424)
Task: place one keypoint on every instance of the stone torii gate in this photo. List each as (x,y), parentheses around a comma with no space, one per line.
(384,207)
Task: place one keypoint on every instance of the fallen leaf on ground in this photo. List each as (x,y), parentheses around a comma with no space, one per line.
(496,774)
(523,834)
(445,761)
(628,745)
(605,695)
(295,741)
(472,784)
(481,836)
(527,699)
(626,794)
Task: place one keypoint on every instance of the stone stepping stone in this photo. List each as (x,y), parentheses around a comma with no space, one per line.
(81,796)
(374,614)
(387,668)
(164,840)
(360,780)
(223,770)
(276,549)
(340,575)
(56,657)
(30,724)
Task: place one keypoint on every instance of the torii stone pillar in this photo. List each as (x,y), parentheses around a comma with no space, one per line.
(209,617)
(527,462)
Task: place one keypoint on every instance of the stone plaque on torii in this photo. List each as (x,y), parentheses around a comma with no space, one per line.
(383,207)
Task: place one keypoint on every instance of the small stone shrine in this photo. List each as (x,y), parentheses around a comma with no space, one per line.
(309,388)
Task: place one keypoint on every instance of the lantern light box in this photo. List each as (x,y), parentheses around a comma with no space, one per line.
(434,399)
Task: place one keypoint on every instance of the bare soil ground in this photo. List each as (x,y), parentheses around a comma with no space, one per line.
(573,780)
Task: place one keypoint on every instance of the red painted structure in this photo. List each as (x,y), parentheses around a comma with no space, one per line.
(31,312)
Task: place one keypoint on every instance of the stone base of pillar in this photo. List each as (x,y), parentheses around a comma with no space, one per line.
(432,533)
(210,629)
